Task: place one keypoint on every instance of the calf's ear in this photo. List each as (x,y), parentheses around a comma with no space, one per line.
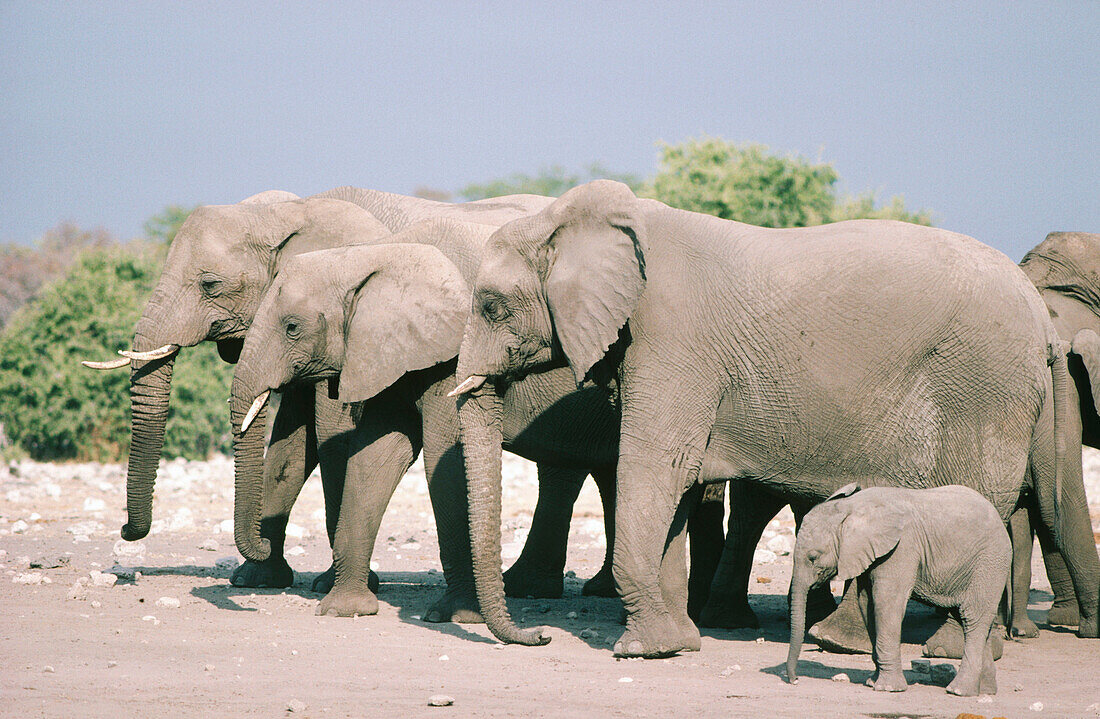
(867,534)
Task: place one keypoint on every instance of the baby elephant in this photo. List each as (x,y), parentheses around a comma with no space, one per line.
(947,546)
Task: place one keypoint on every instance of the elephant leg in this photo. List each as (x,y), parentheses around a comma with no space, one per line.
(706,540)
(1019,528)
(889,592)
(380,450)
(976,671)
(1063,611)
(751,508)
(603,583)
(674,570)
(538,571)
(949,641)
(290,458)
(844,631)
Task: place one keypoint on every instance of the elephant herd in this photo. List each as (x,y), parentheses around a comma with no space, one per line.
(665,353)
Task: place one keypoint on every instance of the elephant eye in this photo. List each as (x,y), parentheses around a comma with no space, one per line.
(293,329)
(493,309)
(210,286)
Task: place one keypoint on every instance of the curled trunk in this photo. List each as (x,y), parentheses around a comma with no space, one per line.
(248,470)
(480,416)
(799,590)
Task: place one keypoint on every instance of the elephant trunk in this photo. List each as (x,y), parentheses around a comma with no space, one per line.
(480,416)
(248,465)
(800,588)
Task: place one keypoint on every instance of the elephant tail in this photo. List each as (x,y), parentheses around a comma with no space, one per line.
(1059,372)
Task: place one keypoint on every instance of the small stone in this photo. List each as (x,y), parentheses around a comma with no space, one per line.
(111,664)
(96,604)
(760,640)
(544,608)
(1018,688)
(296,551)
(942,673)
(763,556)
(127,574)
(102,579)
(227,563)
(730,670)
(411,545)
(780,544)
(498,645)
(32,578)
(922,666)
(625,680)
(571,615)
(77,591)
(1094,708)
(840,677)
(1036,707)
(296,706)
(440,700)
(294,530)
(444,658)
(47,669)
(131,550)
(589,633)
(225,526)
(168,603)
(208,668)
(210,545)
(985,699)
(763,580)
(19,527)
(94,504)
(53,562)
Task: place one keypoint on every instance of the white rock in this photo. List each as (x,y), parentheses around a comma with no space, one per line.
(150,618)
(295,531)
(85,529)
(985,699)
(28,578)
(209,668)
(228,563)
(625,680)
(102,579)
(94,504)
(760,640)
(132,550)
(571,615)
(373,566)
(48,669)
(225,527)
(780,544)
(440,700)
(210,545)
(19,527)
(730,670)
(296,551)
(168,602)
(296,706)
(444,658)
(411,545)
(589,633)
(840,677)
(1036,707)
(763,556)
(510,550)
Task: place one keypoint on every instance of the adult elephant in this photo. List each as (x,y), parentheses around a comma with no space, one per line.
(803,359)
(221,262)
(385,322)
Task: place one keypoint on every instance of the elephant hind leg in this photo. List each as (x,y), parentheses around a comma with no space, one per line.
(1019,528)
(706,540)
(603,583)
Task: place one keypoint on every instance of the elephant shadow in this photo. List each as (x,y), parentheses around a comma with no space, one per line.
(222,595)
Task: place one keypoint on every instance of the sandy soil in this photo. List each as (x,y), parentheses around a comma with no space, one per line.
(172,638)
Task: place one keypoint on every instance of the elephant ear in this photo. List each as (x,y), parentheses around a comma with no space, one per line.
(869,532)
(595,269)
(846,491)
(1086,345)
(407,313)
(268,196)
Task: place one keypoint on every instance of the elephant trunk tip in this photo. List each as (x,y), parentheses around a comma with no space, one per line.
(132,532)
(255,551)
(792,671)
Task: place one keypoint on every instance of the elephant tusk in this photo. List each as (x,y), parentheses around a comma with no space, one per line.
(257,405)
(109,364)
(158,353)
(469,384)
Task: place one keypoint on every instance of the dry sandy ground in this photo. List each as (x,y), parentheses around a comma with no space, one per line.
(176,640)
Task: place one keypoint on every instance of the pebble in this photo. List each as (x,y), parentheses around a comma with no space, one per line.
(133,550)
(34,578)
(840,677)
(1036,707)
(440,700)
(168,602)
(760,640)
(730,670)
(444,658)
(763,556)
(296,706)
(922,666)
(208,668)
(48,669)
(780,544)
(224,527)
(102,579)
(111,664)
(210,545)
(19,527)
(943,673)
(571,615)
(1018,688)
(295,530)
(96,604)
(52,562)
(94,504)
(77,591)
(589,633)
(625,680)
(985,699)
(296,551)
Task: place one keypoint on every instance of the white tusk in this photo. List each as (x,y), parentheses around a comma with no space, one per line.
(109,364)
(468,385)
(254,410)
(158,353)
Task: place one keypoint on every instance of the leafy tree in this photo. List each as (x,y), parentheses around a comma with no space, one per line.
(53,408)
(549,182)
(164,225)
(751,184)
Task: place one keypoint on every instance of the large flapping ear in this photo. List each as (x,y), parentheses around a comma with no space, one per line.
(595,268)
(407,313)
(1086,345)
(868,532)
(846,491)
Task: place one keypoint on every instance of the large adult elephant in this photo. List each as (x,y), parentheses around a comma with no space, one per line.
(385,322)
(221,262)
(802,359)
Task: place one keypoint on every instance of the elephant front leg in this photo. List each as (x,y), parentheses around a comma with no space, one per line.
(602,584)
(1019,528)
(291,457)
(1063,611)
(706,544)
(538,571)
(386,449)
(674,574)
(889,593)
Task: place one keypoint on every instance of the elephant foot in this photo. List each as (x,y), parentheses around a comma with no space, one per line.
(523,579)
(888,682)
(971,686)
(1064,614)
(324,581)
(725,613)
(658,635)
(345,601)
(1024,628)
(275,573)
(455,606)
(947,642)
(1088,628)
(601,585)
(841,633)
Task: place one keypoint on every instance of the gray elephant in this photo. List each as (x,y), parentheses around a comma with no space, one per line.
(799,359)
(385,322)
(945,545)
(219,265)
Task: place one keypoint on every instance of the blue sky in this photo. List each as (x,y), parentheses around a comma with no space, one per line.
(988,114)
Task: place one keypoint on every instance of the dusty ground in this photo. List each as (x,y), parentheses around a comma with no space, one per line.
(174,639)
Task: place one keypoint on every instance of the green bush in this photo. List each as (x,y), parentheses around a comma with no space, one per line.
(53,408)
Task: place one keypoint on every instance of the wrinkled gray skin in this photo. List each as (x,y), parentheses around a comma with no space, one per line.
(387,320)
(1065,268)
(947,546)
(220,263)
(800,359)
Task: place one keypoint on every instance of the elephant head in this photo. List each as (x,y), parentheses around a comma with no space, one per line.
(1065,267)
(554,287)
(841,537)
(219,265)
(365,314)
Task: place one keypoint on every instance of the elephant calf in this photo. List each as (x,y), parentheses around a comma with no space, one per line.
(945,545)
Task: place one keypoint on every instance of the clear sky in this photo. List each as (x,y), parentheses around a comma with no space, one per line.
(986,112)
